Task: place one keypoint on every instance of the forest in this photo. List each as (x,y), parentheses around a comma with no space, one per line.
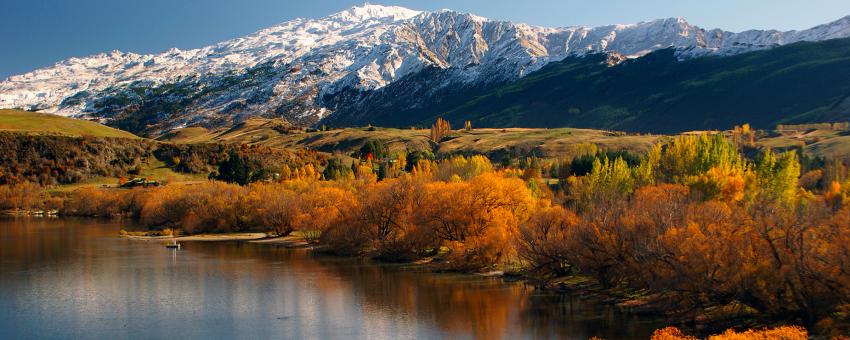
(703,227)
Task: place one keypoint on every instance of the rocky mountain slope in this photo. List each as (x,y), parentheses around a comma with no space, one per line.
(335,68)
(805,82)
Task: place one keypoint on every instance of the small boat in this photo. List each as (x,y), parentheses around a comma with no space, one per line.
(174,245)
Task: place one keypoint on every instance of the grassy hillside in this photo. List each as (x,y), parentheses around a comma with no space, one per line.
(43,123)
(798,83)
(830,144)
(545,142)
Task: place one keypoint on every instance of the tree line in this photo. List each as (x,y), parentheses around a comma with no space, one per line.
(57,160)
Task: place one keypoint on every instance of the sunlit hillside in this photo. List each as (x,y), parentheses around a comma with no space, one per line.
(43,123)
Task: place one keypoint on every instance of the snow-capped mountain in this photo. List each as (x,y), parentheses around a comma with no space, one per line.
(302,68)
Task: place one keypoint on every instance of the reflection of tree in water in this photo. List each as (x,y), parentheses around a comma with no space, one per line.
(456,305)
(37,241)
(485,308)
(553,315)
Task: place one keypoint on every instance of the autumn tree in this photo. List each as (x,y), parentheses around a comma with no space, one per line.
(692,155)
(389,213)
(322,207)
(608,181)
(544,242)
(463,168)
(476,219)
(440,129)
(777,177)
(273,208)
(744,136)
(21,196)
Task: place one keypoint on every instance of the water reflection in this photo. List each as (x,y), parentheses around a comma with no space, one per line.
(75,279)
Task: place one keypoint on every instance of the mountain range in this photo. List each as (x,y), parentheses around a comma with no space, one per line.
(395,66)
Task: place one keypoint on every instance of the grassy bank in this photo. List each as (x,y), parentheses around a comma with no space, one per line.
(48,124)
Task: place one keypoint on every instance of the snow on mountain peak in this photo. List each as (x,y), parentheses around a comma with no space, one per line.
(287,69)
(369,11)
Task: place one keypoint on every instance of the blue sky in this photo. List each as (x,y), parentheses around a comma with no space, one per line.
(37,33)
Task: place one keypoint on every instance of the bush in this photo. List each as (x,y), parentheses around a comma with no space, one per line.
(22,196)
(784,333)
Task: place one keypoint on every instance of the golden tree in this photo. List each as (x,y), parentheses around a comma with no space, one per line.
(440,129)
(744,135)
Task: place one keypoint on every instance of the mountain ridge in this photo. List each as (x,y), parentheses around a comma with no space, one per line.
(800,83)
(295,70)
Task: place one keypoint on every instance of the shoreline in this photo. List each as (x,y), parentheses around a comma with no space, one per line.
(627,301)
(31,213)
(634,302)
(290,241)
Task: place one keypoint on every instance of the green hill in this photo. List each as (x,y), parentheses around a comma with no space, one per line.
(48,124)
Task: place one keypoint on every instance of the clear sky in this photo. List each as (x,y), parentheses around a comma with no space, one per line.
(38,33)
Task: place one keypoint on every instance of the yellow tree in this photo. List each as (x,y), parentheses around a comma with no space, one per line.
(744,135)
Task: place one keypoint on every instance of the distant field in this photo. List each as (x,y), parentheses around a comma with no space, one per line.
(828,143)
(546,142)
(42,123)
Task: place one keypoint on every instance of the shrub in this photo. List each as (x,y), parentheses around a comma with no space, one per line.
(21,196)
(783,333)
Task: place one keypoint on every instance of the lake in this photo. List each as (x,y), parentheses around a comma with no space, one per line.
(76,278)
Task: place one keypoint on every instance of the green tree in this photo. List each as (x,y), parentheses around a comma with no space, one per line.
(235,169)
(378,149)
(337,170)
(777,177)
(413,158)
(690,155)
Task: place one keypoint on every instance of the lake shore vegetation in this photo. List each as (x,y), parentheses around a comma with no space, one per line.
(703,227)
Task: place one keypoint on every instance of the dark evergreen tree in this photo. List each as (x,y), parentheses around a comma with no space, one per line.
(235,169)
(413,158)
(336,170)
(378,149)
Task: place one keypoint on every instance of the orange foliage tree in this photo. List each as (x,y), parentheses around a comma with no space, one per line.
(440,129)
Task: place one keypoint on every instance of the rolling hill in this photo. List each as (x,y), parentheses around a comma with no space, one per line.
(563,143)
(43,123)
(550,143)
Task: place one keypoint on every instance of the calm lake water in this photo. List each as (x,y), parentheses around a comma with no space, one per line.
(76,279)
